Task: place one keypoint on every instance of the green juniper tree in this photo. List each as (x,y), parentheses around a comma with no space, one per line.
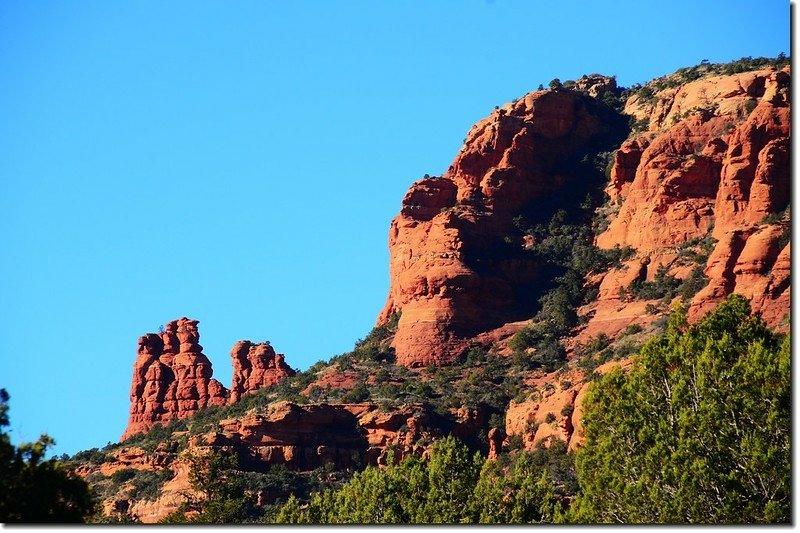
(697,432)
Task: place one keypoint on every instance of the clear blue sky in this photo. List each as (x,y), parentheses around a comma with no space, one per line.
(239,163)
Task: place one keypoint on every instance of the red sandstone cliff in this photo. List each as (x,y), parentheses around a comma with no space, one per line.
(718,170)
(453,272)
(706,165)
(703,164)
(172,378)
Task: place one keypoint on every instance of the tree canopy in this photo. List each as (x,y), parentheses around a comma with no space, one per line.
(697,432)
(35,490)
(452,486)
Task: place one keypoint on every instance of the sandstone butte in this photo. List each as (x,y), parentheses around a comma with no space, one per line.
(717,170)
(172,378)
(453,274)
(713,161)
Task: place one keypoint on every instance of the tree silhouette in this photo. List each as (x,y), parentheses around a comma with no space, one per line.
(34,490)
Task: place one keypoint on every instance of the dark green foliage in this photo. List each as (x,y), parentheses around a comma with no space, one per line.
(123,475)
(662,286)
(147,484)
(91,456)
(692,285)
(697,250)
(35,490)
(373,347)
(223,499)
(472,356)
(698,431)
(566,250)
(632,329)
(357,394)
(749,63)
(555,84)
(155,436)
(452,487)
(665,287)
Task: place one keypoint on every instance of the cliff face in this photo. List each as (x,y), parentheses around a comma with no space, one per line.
(455,270)
(705,164)
(721,172)
(172,378)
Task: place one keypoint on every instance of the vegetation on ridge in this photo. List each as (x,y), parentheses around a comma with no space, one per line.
(696,432)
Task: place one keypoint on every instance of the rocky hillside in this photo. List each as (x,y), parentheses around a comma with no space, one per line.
(569,223)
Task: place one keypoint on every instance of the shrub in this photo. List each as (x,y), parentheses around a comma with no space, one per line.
(515,442)
(693,284)
(357,394)
(662,286)
(123,475)
(631,329)
(93,456)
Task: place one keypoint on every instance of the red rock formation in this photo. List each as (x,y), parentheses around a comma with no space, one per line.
(256,366)
(717,170)
(172,378)
(454,272)
(309,436)
(495,437)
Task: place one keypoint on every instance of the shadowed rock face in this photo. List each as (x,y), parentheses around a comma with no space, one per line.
(304,437)
(455,272)
(172,378)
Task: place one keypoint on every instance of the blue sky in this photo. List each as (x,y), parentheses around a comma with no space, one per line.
(239,163)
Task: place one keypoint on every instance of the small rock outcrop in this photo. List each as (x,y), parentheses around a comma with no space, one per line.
(172,378)
(256,366)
